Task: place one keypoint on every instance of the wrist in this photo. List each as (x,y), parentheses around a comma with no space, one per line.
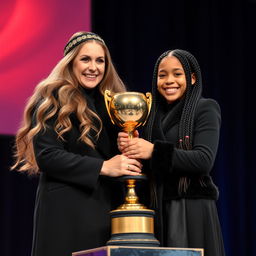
(103,170)
(151,150)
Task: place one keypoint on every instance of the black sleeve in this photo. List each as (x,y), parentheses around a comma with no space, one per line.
(205,143)
(62,165)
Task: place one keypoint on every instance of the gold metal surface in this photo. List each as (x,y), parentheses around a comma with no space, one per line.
(131,199)
(128,110)
(132,224)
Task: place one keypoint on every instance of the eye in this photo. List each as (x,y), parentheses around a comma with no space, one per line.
(100,60)
(161,75)
(178,74)
(85,59)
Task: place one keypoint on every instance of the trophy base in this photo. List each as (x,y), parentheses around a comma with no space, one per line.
(133,228)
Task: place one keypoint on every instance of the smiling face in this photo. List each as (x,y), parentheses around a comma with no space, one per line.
(89,65)
(171,79)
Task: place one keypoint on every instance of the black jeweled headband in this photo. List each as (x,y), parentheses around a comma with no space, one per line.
(74,42)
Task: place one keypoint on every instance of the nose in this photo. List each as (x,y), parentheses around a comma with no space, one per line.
(92,66)
(170,79)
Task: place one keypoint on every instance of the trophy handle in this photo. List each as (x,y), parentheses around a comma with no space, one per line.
(149,103)
(107,97)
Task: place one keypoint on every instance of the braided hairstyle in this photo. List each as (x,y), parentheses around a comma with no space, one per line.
(190,99)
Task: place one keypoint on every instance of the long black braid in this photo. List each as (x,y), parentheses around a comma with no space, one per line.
(193,94)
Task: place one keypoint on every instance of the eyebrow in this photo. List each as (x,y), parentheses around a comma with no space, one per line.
(175,69)
(84,55)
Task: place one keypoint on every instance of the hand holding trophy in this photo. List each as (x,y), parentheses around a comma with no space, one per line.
(132,223)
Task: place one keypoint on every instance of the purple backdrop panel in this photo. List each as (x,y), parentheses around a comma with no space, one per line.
(32,37)
(139,251)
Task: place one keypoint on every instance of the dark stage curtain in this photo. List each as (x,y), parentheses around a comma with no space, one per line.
(220,34)
(17,195)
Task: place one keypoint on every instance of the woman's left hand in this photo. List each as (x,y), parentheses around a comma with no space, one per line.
(138,148)
(123,138)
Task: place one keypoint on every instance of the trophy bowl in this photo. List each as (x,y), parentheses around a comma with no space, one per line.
(128,110)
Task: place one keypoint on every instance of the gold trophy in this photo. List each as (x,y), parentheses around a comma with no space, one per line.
(132,224)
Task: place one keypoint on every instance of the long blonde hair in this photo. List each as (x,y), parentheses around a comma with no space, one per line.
(59,95)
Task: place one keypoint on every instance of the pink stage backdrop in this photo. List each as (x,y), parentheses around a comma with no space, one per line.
(32,37)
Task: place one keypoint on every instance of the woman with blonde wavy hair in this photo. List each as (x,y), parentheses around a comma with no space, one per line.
(67,139)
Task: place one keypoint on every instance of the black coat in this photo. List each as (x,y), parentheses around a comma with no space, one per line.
(73,201)
(198,162)
(187,217)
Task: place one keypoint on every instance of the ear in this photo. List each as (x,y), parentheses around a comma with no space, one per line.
(193,78)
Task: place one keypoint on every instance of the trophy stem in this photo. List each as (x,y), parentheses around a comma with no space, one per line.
(131,198)
(130,134)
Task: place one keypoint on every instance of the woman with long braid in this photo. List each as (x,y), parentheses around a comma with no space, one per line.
(180,144)
(67,139)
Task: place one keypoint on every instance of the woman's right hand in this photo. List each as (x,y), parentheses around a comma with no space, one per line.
(120,165)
